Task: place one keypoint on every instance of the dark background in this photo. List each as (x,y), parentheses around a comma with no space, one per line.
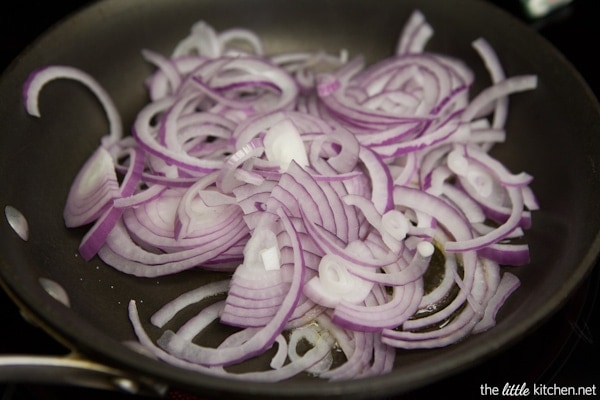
(566,348)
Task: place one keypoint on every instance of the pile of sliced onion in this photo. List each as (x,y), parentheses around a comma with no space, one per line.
(355,209)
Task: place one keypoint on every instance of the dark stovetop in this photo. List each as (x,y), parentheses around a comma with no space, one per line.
(566,348)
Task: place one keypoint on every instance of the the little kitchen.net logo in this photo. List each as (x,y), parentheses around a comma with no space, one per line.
(524,390)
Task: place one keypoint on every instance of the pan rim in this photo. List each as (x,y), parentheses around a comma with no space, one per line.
(582,270)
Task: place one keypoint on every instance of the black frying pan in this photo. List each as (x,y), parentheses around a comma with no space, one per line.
(554,134)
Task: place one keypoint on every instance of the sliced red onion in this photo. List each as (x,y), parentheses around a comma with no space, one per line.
(415,34)
(413,271)
(201,40)
(490,58)
(95,238)
(283,145)
(335,283)
(306,67)
(39,78)
(324,186)
(146,136)
(205,41)
(140,198)
(263,339)
(507,86)
(400,307)
(310,358)
(313,336)
(94,189)
(167,67)
(169,310)
(126,256)
(507,254)
(487,283)
(508,284)
(499,233)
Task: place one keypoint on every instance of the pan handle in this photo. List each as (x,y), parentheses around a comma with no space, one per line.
(75,371)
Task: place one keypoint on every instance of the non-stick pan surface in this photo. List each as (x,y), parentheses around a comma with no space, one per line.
(553,134)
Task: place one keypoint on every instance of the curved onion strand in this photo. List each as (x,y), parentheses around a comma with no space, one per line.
(39,78)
